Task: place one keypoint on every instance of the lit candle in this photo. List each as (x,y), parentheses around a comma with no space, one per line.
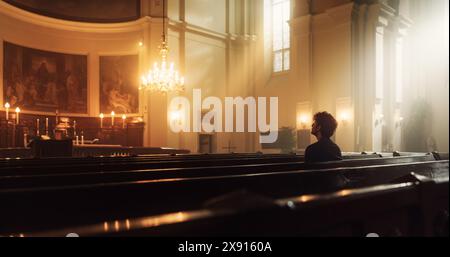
(7,106)
(76,140)
(124,118)
(46,126)
(37,127)
(101,120)
(17,115)
(112,118)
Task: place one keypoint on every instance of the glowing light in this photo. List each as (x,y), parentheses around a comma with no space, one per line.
(345,116)
(163,77)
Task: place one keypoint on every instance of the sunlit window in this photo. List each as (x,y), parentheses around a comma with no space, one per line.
(399,71)
(281,35)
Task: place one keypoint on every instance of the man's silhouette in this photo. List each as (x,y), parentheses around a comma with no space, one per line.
(324,149)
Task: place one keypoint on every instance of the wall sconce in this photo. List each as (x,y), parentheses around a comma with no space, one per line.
(303,120)
(140,43)
(379,120)
(399,122)
(176,117)
(344,118)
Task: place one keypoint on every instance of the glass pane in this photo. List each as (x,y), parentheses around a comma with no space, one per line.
(286,26)
(286,61)
(277,62)
(286,36)
(277,27)
(286,10)
(277,42)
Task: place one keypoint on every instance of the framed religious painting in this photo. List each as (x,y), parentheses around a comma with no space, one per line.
(119,84)
(44,81)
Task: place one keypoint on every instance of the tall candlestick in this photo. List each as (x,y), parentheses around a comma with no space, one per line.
(101,120)
(37,127)
(7,106)
(124,118)
(112,118)
(46,126)
(17,115)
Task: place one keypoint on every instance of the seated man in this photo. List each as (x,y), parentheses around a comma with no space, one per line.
(324,149)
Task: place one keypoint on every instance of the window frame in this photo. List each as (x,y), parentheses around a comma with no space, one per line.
(282,50)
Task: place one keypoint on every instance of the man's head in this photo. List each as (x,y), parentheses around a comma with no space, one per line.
(324,125)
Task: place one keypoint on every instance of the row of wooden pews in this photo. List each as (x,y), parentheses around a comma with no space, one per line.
(415,208)
(53,194)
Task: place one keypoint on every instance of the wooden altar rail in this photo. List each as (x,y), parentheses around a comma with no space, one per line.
(96,150)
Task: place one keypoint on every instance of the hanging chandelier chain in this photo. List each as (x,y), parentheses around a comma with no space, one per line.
(164,20)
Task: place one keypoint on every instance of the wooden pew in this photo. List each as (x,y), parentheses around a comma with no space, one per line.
(412,208)
(130,164)
(184,169)
(49,166)
(36,208)
(118,159)
(69,165)
(18,162)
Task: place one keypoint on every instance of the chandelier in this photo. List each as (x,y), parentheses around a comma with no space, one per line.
(163,77)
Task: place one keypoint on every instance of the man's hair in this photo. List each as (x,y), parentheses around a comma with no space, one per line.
(327,123)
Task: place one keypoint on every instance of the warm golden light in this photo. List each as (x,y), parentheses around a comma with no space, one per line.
(303,120)
(345,117)
(164,77)
(7,106)
(113,114)
(124,118)
(101,119)
(175,116)
(17,115)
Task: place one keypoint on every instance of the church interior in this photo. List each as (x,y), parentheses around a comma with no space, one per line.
(163,118)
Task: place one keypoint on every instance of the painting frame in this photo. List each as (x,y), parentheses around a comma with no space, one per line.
(29,51)
(129,91)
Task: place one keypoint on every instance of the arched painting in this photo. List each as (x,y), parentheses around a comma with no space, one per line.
(119,84)
(38,80)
